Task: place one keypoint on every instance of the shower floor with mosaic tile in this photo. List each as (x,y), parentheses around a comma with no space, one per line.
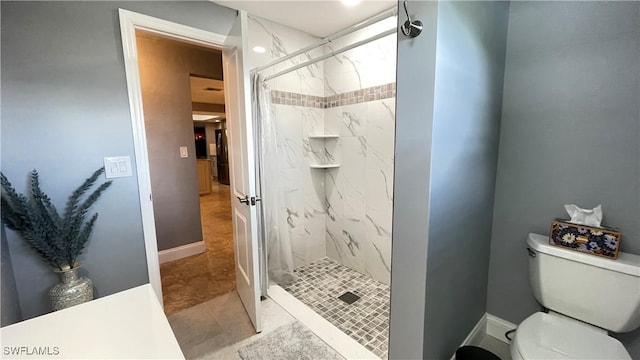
(366,320)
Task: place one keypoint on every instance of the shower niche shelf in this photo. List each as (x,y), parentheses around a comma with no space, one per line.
(326,136)
(324,166)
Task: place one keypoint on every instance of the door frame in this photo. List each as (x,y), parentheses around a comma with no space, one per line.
(129,23)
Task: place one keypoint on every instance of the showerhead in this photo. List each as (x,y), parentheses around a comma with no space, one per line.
(412,28)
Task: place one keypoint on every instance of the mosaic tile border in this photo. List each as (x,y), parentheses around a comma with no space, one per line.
(289,98)
(379,92)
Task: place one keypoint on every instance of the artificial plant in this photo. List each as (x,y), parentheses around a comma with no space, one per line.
(58,239)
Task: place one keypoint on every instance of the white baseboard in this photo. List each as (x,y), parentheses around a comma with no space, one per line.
(181,252)
(497,327)
(478,331)
(488,325)
(476,334)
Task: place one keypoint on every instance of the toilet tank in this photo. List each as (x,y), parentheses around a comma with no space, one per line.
(593,289)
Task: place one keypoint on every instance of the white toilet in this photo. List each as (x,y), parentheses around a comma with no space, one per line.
(586,295)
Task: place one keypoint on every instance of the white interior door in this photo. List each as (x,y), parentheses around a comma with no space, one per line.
(242,168)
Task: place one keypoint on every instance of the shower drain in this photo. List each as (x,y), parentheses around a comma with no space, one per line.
(349,297)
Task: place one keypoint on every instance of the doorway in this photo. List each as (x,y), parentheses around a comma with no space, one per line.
(192,209)
(242,164)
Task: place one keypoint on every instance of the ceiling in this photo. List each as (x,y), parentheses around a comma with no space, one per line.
(208,91)
(318,18)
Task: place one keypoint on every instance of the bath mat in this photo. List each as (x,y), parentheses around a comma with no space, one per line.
(288,342)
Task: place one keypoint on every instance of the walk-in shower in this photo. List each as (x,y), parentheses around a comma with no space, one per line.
(325,114)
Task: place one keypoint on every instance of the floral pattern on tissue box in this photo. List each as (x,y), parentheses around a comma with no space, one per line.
(591,240)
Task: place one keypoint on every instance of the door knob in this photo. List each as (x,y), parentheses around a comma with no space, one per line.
(244,200)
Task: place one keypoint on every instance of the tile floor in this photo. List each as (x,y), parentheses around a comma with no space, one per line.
(344,344)
(366,320)
(217,328)
(195,279)
(496,346)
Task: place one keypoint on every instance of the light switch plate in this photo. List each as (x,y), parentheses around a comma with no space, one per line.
(184,153)
(117,167)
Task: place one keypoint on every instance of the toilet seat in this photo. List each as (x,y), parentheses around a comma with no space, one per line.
(553,336)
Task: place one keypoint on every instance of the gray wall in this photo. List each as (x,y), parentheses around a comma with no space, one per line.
(165,66)
(64,107)
(570,133)
(10,312)
(468,101)
(414,120)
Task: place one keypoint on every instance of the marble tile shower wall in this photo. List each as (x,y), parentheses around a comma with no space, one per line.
(343,213)
(360,193)
(365,66)
(305,207)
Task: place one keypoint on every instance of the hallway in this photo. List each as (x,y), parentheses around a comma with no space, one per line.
(199,278)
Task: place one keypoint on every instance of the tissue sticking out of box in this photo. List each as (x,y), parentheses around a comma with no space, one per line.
(587,217)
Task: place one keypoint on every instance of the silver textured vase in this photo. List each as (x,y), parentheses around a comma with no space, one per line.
(71,290)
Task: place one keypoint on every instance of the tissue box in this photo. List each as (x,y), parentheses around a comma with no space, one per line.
(591,240)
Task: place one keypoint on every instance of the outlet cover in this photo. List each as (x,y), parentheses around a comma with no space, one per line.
(184,153)
(117,167)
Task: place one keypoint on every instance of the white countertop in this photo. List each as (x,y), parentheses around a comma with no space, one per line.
(127,325)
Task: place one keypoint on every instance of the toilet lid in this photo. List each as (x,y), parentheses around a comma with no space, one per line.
(545,336)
